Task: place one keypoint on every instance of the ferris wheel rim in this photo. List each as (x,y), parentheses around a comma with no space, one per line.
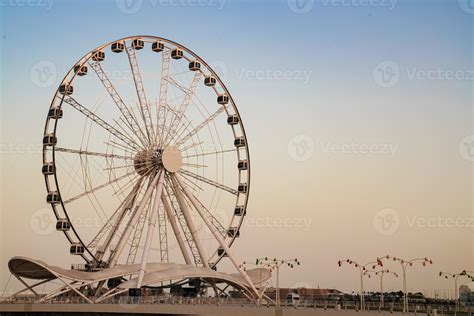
(83,61)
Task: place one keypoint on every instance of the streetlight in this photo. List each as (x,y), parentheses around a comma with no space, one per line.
(381,274)
(362,270)
(276,264)
(455,277)
(404,264)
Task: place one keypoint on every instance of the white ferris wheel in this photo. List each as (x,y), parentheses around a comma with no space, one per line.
(147,168)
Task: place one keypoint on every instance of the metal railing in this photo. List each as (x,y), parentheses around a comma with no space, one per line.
(428,309)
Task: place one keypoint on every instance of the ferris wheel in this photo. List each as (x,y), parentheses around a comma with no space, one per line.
(145,158)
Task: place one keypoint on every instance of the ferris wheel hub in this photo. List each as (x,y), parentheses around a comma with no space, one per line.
(172,159)
(146,161)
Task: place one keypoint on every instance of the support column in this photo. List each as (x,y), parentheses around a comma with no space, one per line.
(216,234)
(133,222)
(176,231)
(151,228)
(189,221)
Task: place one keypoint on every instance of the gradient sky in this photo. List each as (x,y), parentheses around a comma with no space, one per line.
(315,82)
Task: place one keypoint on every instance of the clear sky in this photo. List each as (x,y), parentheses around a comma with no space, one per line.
(358,113)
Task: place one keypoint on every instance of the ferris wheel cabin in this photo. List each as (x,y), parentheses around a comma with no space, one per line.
(242,165)
(63,225)
(48,169)
(98,56)
(50,140)
(80,70)
(55,113)
(157,46)
(242,188)
(239,211)
(117,47)
(194,65)
(177,53)
(138,44)
(53,197)
(233,232)
(76,249)
(233,119)
(66,89)
(221,252)
(209,81)
(222,99)
(239,142)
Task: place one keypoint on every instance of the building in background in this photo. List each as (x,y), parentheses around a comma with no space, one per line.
(466,294)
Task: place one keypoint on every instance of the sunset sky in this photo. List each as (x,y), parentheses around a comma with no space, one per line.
(358,116)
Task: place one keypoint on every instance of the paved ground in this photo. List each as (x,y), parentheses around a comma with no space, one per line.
(165,309)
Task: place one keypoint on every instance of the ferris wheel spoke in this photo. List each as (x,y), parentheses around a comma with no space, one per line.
(192,146)
(90,153)
(183,106)
(211,153)
(214,221)
(163,97)
(208,181)
(93,190)
(129,142)
(140,89)
(129,119)
(201,126)
(194,165)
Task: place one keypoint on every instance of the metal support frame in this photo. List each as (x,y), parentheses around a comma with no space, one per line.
(151,227)
(216,234)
